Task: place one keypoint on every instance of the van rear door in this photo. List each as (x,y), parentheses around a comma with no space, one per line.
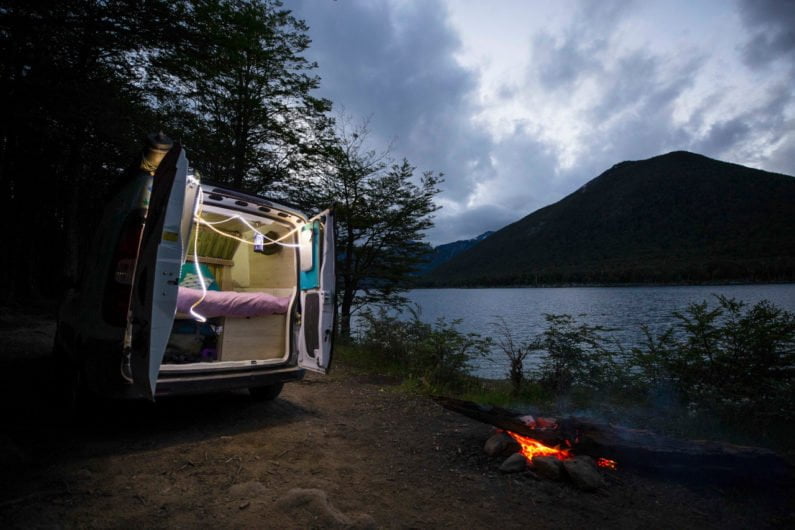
(317,281)
(163,246)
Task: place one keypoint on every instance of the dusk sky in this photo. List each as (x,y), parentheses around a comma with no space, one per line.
(520,102)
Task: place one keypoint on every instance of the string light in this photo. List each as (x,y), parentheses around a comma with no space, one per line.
(197,211)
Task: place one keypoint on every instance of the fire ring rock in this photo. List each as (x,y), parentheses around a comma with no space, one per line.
(514,463)
(547,466)
(583,473)
(500,444)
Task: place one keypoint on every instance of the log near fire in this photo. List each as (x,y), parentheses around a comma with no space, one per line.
(631,448)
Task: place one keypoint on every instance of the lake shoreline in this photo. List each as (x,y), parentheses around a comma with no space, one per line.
(630,284)
(622,309)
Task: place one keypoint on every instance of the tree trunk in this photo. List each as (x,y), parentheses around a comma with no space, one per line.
(345,312)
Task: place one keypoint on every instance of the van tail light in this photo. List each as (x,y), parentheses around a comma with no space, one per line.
(118,287)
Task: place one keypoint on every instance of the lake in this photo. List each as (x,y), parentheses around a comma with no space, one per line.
(623,308)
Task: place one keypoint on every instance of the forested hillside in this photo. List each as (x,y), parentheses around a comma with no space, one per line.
(679,217)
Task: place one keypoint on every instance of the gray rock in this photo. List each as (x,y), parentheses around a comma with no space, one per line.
(311,507)
(248,490)
(547,466)
(583,473)
(500,444)
(514,463)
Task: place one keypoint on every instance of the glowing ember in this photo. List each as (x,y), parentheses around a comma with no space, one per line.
(531,448)
(607,463)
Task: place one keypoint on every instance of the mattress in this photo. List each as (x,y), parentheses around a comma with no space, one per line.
(230,303)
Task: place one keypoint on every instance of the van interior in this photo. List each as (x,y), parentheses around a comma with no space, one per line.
(223,251)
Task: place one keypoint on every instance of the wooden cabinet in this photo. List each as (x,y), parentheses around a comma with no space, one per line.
(255,338)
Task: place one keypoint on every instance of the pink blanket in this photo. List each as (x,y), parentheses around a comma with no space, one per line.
(230,303)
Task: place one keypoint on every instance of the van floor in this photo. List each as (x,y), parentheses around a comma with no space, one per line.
(344,450)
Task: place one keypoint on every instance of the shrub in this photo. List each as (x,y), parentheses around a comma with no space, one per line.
(437,356)
(731,360)
(575,354)
(516,352)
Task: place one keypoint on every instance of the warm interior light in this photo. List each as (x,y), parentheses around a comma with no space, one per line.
(259,239)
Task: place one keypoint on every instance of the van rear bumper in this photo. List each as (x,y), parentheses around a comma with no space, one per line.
(180,384)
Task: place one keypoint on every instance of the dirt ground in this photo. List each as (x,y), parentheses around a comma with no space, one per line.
(343,450)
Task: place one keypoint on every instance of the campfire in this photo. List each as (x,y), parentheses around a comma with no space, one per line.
(531,455)
(531,447)
(585,451)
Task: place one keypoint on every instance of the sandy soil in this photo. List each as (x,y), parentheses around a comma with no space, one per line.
(343,450)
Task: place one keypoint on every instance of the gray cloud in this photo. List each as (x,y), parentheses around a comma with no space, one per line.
(560,60)
(737,138)
(783,158)
(474,221)
(772,27)
(395,64)
(724,135)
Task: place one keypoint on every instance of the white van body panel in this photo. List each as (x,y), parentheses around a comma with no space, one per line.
(316,338)
(154,307)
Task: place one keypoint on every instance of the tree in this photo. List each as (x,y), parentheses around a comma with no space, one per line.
(239,88)
(381,216)
(516,352)
(71,110)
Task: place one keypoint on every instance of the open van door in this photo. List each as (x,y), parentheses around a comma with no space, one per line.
(318,288)
(156,279)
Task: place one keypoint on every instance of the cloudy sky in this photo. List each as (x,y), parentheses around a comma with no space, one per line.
(519,102)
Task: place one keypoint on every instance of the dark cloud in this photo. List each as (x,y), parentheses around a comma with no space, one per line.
(724,135)
(476,220)
(560,60)
(737,138)
(782,160)
(771,24)
(395,64)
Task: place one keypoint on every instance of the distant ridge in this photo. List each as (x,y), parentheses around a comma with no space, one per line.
(447,251)
(678,217)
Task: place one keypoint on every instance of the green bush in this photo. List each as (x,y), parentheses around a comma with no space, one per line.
(730,360)
(575,354)
(729,364)
(434,356)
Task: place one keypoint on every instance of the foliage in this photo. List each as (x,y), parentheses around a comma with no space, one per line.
(574,354)
(81,83)
(435,356)
(382,211)
(71,108)
(516,352)
(240,89)
(732,360)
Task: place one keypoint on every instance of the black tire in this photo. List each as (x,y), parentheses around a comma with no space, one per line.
(266,393)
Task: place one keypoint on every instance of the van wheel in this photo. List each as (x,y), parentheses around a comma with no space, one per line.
(266,393)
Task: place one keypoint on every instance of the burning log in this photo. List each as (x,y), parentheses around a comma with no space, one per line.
(635,448)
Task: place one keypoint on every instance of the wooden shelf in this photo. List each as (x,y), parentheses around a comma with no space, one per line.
(214,261)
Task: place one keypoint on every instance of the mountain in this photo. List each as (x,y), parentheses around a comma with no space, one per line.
(447,251)
(678,217)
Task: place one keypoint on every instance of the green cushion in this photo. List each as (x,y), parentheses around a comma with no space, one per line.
(188,277)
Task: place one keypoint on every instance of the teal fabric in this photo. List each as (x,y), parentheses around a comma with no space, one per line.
(188,276)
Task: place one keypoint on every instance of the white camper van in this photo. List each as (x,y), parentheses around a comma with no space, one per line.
(192,288)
